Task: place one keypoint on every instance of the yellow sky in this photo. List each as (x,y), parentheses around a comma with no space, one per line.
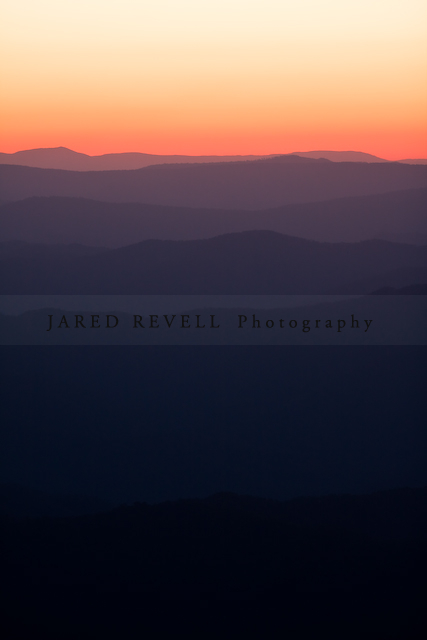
(171,76)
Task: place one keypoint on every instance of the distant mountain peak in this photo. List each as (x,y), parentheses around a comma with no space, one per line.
(340,156)
(48,150)
(293,157)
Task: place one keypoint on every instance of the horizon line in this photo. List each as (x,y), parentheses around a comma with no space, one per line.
(205,155)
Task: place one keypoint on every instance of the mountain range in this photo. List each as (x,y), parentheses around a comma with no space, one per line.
(63,158)
(277,435)
(399,216)
(253,185)
(251,262)
(353,156)
(394,514)
(250,566)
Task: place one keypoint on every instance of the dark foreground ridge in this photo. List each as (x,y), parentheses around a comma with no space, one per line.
(156,424)
(316,564)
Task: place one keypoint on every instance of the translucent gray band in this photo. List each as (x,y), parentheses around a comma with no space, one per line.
(214,320)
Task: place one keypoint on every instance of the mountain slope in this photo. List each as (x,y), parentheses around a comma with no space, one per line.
(63,158)
(397,216)
(232,185)
(252,262)
(341,156)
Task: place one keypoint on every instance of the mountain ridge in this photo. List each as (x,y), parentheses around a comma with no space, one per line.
(354,512)
(250,262)
(397,216)
(68,159)
(220,185)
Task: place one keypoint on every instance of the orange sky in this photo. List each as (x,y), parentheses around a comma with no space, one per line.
(214,77)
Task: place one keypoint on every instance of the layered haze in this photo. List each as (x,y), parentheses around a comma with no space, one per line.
(262,166)
(270,182)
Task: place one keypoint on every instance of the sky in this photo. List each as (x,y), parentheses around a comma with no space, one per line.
(205,77)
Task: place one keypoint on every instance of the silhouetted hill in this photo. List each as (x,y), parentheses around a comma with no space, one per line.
(392,514)
(215,550)
(341,156)
(291,158)
(414,161)
(398,216)
(63,158)
(226,185)
(252,262)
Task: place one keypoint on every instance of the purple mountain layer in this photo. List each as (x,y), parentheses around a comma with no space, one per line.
(63,158)
(221,185)
(399,216)
(252,262)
